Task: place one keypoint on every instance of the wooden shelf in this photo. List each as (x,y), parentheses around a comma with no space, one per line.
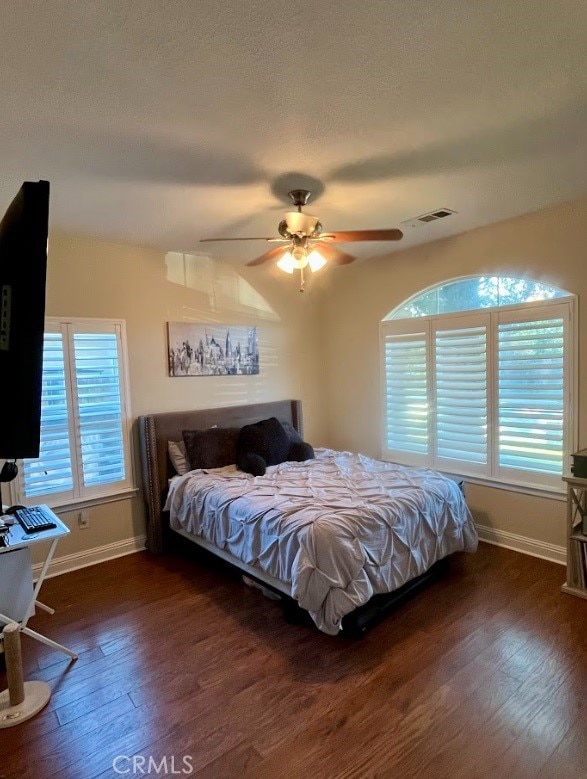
(576,552)
(575,481)
(574,591)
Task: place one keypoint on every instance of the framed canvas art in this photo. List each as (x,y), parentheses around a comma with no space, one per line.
(212,350)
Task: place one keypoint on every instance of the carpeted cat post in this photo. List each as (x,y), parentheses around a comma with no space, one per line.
(22,700)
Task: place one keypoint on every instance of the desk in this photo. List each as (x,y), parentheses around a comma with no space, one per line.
(18,539)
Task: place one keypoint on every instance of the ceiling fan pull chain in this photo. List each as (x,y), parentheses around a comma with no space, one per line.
(302,280)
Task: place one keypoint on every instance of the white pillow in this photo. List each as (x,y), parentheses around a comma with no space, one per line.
(176,451)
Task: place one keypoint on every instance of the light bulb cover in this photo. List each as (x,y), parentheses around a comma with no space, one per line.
(286,263)
(316,261)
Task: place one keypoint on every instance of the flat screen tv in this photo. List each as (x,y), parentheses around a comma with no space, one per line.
(23,272)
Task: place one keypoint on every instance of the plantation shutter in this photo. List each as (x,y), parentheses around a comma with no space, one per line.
(486,393)
(406,395)
(531,379)
(460,363)
(51,472)
(99,407)
(84,451)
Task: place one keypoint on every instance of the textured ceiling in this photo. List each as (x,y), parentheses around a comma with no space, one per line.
(159,123)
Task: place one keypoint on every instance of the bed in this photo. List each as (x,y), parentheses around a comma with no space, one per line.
(342,535)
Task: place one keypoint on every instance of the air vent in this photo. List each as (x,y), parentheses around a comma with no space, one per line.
(431,216)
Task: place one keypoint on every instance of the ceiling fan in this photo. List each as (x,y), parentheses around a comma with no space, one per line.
(306,243)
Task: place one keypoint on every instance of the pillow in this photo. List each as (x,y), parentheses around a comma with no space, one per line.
(176,452)
(211,448)
(270,442)
(299,450)
(292,433)
(261,444)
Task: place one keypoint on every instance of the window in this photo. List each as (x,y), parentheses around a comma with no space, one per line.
(85,415)
(484,392)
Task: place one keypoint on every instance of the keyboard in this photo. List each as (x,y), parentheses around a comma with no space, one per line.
(34,519)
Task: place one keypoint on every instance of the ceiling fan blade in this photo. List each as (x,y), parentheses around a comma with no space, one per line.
(334,255)
(208,240)
(271,254)
(344,236)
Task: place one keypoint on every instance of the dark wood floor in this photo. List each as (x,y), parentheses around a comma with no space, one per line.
(482,674)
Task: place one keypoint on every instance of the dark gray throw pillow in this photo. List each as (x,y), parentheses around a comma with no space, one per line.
(211,448)
(292,433)
(299,450)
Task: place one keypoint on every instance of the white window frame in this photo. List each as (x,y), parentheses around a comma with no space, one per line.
(494,475)
(81,495)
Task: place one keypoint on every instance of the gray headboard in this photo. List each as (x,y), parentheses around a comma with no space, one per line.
(155,430)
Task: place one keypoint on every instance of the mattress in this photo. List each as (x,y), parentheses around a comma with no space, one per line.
(338,529)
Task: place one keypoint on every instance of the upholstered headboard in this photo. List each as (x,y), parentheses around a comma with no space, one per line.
(155,430)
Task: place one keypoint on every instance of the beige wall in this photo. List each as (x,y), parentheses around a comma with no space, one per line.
(549,246)
(89,278)
(322,347)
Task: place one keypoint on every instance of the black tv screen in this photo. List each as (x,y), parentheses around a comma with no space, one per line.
(23,272)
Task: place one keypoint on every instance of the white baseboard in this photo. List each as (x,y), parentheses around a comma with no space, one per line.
(530,546)
(99,554)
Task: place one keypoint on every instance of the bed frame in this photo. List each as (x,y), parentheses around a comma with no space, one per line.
(155,430)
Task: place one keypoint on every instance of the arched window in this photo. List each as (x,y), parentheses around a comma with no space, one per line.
(472,293)
(477,380)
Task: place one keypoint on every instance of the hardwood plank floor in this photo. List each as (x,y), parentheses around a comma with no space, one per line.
(482,674)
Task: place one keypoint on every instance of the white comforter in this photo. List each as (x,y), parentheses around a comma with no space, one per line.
(337,529)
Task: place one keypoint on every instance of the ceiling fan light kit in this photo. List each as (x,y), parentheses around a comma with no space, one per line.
(300,258)
(308,245)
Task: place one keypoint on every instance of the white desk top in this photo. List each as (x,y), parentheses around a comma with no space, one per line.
(18,539)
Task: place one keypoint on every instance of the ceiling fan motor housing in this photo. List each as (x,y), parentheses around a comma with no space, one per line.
(299,197)
(301,224)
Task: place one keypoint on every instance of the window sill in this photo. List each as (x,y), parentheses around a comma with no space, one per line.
(551,493)
(97,500)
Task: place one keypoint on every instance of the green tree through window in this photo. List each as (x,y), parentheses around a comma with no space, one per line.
(471,294)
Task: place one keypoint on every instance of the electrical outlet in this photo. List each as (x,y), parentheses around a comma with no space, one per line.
(83,519)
